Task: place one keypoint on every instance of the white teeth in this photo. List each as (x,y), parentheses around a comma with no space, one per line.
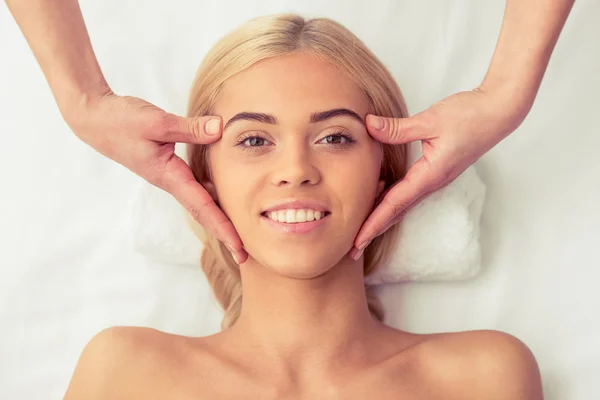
(292,216)
(301,216)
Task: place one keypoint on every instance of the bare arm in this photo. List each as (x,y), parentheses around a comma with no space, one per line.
(530,30)
(56,33)
(456,131)
(128,130)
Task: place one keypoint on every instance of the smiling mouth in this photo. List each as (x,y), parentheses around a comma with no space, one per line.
(324,214)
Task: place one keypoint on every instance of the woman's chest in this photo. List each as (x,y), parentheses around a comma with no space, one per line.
(402,377)
(234,391)
(230,385)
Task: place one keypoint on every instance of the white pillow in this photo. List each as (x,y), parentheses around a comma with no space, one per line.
(438,240)
(439,237)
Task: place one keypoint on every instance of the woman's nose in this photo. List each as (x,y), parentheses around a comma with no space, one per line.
(295,167)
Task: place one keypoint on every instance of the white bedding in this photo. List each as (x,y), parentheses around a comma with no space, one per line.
(67,269)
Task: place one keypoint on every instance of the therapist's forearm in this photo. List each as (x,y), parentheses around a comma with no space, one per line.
(57,35)
(530,30)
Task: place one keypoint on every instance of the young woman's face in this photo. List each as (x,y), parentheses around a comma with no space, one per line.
(292,149)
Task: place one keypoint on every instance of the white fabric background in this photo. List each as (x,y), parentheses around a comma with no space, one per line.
(67,271)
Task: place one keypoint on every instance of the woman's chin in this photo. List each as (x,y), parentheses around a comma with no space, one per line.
(301,265)
(299,273)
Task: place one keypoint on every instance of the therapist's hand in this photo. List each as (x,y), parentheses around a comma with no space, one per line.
(142,137)
(454,133)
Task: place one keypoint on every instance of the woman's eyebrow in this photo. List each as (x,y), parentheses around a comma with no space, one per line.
(314,117)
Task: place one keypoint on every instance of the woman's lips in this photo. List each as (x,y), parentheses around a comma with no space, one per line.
(298,227)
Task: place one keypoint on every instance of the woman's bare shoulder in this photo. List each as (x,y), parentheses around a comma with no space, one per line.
(479,364)
(120,361)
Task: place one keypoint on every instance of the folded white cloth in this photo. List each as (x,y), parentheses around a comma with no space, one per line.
(439,237)
(438,240)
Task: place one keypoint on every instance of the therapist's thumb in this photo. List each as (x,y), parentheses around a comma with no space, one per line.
(397,130)
(197,130)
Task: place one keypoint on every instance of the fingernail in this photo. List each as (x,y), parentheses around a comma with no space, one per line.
(375,122)
(358,254)
(212,126)
(231,250)
(232,253)
(363,245)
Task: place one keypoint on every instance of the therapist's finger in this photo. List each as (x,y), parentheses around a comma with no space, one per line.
(198,130)
(420,180)
(180,182)
(399,130)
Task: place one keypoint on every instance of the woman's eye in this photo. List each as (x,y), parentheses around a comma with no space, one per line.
(338,139)
(254,141)
(251,143)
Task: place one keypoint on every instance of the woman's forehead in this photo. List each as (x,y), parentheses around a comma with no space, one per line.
(285,88)
(300,71)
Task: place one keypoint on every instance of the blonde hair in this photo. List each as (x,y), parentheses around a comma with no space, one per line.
(278,35)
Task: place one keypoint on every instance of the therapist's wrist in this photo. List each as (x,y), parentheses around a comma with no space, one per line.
(509,102)
(74,101)
(516,82)
(521,89)
(515,96)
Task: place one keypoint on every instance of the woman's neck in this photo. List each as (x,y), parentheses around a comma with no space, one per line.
(307,324)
